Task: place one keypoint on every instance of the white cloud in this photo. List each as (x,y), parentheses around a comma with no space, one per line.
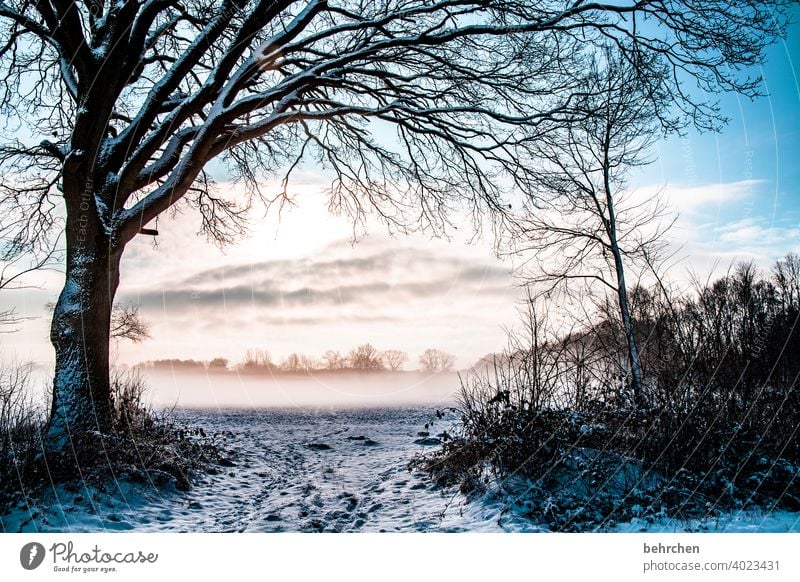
(710,248)
(692,199)
(757,234)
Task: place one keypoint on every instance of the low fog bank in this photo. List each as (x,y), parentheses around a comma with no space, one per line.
(199,389)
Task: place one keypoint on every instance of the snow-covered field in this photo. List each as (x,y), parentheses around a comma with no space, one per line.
(315,470)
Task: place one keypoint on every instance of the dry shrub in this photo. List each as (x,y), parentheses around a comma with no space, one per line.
(718,430)
(145,446)
(21,426)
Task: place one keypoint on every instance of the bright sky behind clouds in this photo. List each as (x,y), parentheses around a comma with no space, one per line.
(298,284)
(737,191)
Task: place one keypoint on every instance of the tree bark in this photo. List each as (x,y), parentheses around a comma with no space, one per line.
(627,324)
(82,403)
(622,297)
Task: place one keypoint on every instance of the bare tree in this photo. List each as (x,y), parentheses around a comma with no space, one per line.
(115,108)
(258,360)
(292,363)
(127,323)
(295,362)
(786,273)
(365,358)
(434,361)
(394,359)
(309,363)
(583,224)
(333,360)
(13,269)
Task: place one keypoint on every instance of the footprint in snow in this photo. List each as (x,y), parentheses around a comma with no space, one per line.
(319,446)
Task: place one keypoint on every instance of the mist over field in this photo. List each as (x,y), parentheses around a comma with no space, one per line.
(200,389)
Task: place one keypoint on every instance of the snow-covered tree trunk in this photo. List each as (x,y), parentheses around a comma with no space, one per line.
(80,332)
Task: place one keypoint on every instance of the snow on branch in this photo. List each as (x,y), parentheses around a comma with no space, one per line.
(415,106)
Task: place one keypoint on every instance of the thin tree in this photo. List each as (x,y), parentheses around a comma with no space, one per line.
(334,360)
(115,108)
(295,362)
(584,224)
(434,360)
(127,323)
(394,359)
(786,273)
(13,270)
(292,363)
(258,360)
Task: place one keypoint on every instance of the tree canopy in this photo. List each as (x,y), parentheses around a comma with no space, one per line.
(119,105)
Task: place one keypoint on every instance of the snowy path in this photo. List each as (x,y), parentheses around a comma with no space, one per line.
(295,470)
(306,471)
(315,471)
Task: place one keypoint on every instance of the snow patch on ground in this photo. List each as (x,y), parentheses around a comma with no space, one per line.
(730,522)
(313,470)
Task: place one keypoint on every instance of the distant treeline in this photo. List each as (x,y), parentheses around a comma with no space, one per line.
(363,358)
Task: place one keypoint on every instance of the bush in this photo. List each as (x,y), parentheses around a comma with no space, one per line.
(21,425)
(143,446)
(718,429)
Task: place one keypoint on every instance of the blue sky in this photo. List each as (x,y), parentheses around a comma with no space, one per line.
(753,212)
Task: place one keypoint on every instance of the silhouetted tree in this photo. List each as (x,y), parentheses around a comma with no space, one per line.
(127,323)
(122,105)
(365,358)
(786,273)
(291,363)
(295,362)
(333,360)
(433,361)
(583,225)
(257,360)
(394,359)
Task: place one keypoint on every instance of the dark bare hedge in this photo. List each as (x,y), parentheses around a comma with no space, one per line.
(720,426)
